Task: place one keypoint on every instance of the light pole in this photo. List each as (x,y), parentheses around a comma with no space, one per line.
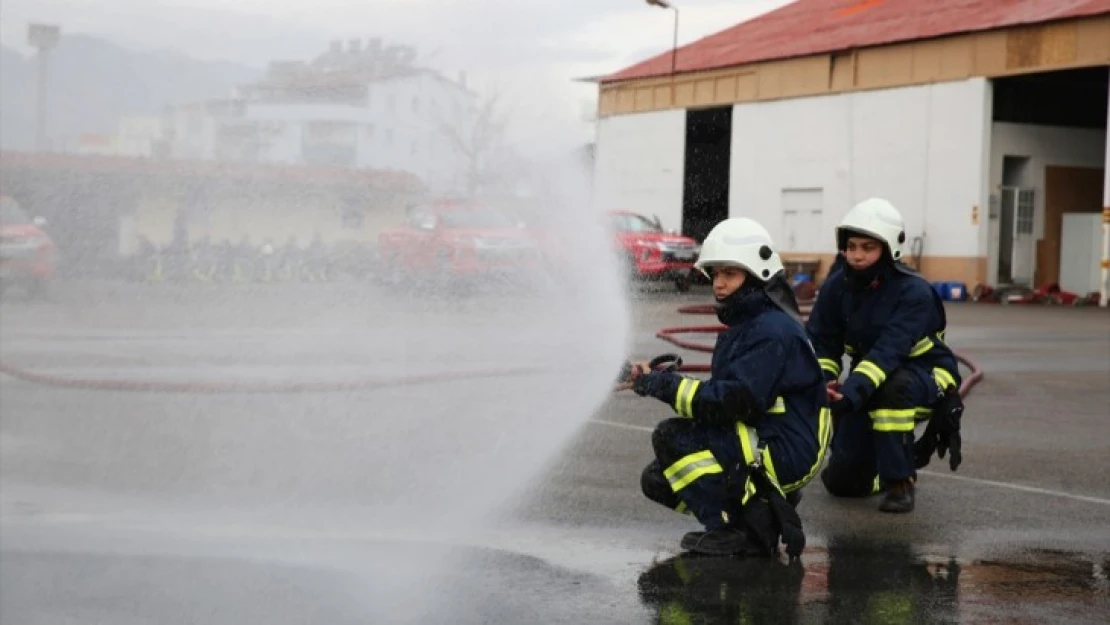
(43,37)
(664,4)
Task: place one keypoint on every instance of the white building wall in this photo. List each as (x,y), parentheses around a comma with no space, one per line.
(1044,146)
(402,127)
(923,148)
(639,165)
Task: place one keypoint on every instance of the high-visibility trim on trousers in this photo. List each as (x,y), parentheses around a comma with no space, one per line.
(689,468)
(893,419)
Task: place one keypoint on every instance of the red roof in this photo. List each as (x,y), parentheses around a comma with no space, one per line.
(129,165)
(810,27)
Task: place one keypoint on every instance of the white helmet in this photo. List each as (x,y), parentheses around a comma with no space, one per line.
(740,242)
(875,218)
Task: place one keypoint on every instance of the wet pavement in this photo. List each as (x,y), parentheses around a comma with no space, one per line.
(189,508)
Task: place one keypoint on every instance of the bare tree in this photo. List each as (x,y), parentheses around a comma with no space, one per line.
(478,141)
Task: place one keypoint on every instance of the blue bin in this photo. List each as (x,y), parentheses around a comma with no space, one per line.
(951,291)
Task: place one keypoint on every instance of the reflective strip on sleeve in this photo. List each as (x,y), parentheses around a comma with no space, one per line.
(848,349)
(684,398)
(682,473)
(779,406)
(893,419)
(923,346)
(872,371)
(943,378)
(830,365)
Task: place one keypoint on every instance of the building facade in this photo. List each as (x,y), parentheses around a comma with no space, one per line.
(355,107)
(987,129)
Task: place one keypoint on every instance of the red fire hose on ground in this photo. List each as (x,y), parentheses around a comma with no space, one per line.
(239,386)
(668,334)
(671,336)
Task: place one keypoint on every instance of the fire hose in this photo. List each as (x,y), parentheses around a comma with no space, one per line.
(670,334)
(670,362)
(239,386)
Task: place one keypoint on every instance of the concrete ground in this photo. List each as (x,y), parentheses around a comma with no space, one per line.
(389,504)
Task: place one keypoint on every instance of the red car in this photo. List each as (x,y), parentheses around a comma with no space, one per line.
(27,254)
(650,253)
(450,240)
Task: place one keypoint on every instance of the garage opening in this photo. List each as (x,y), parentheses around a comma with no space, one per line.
(708,153)
(1049,161)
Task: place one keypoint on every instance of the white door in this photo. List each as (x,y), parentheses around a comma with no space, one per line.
(1025,245)
(802,220)
(1017,248)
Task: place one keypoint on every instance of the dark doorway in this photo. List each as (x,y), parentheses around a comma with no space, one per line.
(705,187)
(1075,98)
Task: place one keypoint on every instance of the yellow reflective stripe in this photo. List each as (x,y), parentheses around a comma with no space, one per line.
(770,466)
(681,508)
(684,398)
(848,349)
(893,419)
(690,468)
(672,613)
(943,378)
(872,371)
(779,406)
(824,437)
(923,346)
(830,365)
(749,441)
(876,486)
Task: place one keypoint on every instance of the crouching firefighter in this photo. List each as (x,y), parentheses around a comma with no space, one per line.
(891,323)
(749,438)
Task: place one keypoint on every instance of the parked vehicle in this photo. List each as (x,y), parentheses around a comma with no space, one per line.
(652,254)
(452,241)
(27,253)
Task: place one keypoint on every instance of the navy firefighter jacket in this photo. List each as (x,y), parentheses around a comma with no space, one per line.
(897,320)
(763,373)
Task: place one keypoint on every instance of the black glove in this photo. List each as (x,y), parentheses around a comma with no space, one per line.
(841,407)
(645,383)
(942,435)
(925,447)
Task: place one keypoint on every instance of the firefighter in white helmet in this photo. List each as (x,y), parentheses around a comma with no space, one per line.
(749,438)
(891,323)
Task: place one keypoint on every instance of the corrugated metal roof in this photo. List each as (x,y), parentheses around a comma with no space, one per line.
(819,26)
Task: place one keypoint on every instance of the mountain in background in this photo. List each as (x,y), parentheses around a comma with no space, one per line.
(93,83)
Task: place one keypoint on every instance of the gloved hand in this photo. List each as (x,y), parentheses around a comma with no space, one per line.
(925,447)
(942,435)
(841,407)
(952,444)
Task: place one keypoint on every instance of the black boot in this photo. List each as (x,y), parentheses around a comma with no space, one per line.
(898,498)
(723,542)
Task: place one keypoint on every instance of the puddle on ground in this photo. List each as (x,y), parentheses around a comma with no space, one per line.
(869,584)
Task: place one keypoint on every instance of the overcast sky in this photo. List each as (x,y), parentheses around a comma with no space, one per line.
(527,50)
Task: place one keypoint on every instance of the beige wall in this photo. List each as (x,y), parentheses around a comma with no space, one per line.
(235,214)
